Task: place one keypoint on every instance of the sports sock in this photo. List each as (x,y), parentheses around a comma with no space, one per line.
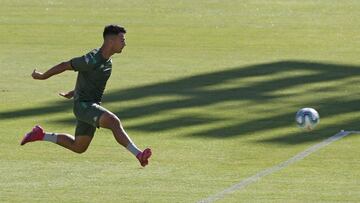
(51,137)
(133,149)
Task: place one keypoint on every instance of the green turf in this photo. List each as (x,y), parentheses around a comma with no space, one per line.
(211,86)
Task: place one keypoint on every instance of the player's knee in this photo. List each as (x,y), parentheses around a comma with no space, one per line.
(114,121)
(80,149)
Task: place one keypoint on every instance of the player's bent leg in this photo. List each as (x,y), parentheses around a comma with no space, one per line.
(112,122)
(79,144)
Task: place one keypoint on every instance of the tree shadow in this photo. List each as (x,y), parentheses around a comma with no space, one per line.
(206,90)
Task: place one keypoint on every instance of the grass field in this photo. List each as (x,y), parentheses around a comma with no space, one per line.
(211,86)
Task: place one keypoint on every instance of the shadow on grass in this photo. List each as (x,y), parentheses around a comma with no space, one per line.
(201,91)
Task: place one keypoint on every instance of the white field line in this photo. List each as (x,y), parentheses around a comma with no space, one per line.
(276,168)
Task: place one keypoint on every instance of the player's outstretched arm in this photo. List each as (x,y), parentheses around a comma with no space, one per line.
(67,95)
(52,71)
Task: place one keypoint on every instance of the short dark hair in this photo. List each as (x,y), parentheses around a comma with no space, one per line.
(113,30)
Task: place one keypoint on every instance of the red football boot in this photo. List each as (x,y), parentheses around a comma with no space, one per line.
(36,134)
(144,156)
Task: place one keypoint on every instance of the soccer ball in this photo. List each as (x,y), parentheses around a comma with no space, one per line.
(307,118)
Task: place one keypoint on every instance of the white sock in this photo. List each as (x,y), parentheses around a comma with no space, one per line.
(133,149)
(50,137)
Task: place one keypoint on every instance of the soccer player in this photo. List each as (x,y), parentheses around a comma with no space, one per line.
(94,69)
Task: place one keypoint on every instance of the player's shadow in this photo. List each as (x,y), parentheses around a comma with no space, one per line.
(226,86)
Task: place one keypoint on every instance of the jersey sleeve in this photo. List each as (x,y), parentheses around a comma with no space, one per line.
(82,63)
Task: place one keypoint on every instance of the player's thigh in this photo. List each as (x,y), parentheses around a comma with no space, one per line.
(109,120)
(84,129)
(84,133)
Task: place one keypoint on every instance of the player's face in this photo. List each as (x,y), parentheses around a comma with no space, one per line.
(119,43)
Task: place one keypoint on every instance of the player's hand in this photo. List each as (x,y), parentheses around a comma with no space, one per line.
(37,75)
(68,95)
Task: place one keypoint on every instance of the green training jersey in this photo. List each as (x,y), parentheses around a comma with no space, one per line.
(93,72)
